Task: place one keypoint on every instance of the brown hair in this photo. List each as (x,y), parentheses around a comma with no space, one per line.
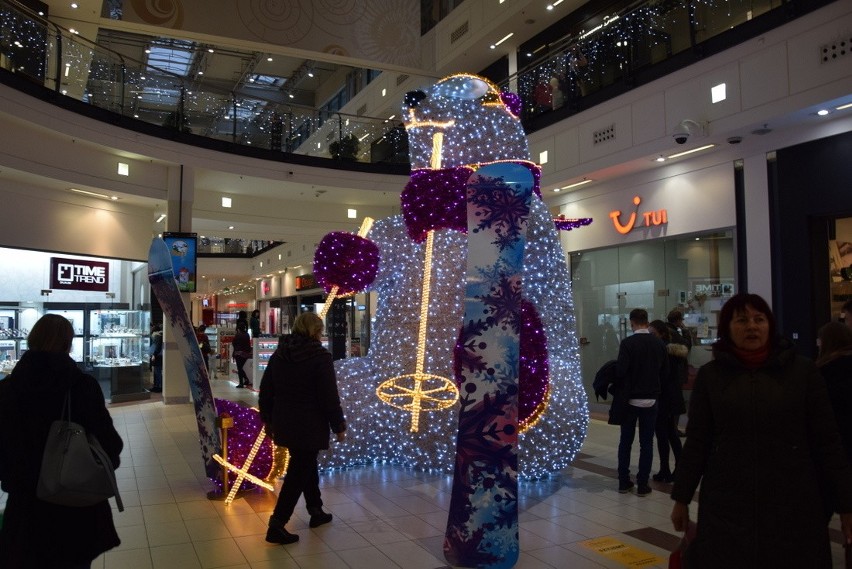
(663,331)
(639,316)
(308,324)
(835,339)
(52,333)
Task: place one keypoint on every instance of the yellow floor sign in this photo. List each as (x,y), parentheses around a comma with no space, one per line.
(624,553)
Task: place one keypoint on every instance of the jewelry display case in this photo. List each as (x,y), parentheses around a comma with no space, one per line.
(118,346)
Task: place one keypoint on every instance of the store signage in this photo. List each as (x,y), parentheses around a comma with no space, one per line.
(650,218)
(305,282)
(79,274)
(265,288)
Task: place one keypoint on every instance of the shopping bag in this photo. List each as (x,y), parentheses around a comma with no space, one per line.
(676,557)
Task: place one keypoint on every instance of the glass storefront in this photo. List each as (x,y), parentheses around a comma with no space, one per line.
(694,274)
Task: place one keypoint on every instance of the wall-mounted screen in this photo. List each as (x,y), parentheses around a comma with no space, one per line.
(183,248)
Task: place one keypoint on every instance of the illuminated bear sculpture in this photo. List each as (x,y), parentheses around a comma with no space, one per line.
(401,398)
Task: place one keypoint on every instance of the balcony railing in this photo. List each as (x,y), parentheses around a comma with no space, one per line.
(56,58)
(596,58)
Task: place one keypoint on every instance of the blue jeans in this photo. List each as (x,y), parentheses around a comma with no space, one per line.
(647,419)
(158,376)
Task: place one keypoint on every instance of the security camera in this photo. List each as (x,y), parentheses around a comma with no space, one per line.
(680,135)
(685,129)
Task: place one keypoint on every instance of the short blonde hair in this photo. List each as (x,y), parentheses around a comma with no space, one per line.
(52,333)
(308,324)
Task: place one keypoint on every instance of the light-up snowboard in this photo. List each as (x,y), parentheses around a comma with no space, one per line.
(482,527)
(164,286)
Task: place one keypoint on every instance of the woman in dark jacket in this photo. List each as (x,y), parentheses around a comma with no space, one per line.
(300,406)
(835,364)
(242,353)
(670,404)
(761,440)
(37,533)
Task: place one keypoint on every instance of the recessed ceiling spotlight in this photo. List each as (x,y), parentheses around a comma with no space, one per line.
(660,158)
(823,112)
(268,59)
(230,227)
(74,5)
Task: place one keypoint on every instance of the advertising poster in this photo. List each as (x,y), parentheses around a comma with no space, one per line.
(183,248)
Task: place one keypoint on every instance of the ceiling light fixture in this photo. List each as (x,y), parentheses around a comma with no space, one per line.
(123,169)
(823,112)
(507,36)
(226,202)
(93,194)
(699,149)
(161,218)
(230,227)
(575,184)
(660,158)
(841,107)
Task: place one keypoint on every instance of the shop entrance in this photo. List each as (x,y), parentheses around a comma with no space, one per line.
(694,274)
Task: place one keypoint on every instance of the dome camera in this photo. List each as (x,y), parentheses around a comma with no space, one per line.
(684,130)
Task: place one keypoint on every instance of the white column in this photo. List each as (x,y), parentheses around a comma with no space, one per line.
(181,191)
(758,253)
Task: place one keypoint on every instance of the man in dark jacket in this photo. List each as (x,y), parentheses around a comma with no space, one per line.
(677,329)
(300,407)
(642,363)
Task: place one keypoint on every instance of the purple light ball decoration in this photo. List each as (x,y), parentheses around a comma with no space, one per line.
(435,199)
(567,224)
(346,261)
(513,102)
(534,372)
(241,437)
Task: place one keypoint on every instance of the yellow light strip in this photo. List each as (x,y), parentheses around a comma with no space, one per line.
(414,123)
(332,294)
(437,146)
(393,388)
(242,472)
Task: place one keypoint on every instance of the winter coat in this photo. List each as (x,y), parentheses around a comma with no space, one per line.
(36,533)
(761,442)
(298,395)
(671,387)
(838,379)
(156,348)
(642,363)
(242,345)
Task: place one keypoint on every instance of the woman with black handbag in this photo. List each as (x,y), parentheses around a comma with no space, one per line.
(36,533)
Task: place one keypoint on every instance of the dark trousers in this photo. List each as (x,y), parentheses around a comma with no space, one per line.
(647,418)
(241,373)
(667,438)
(302,478)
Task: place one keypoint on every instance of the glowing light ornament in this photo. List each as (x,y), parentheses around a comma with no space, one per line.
(242,472)
(429,392)
(327,267)
(552,412)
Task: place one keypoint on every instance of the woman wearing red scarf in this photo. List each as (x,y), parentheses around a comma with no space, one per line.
(763,443)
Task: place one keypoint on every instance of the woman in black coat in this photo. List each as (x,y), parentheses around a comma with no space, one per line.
(242,352)
(300,407)
(762,441)
(835,364)
(37,533)
(670,405)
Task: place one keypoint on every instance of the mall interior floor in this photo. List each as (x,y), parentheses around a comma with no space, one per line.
(384,516)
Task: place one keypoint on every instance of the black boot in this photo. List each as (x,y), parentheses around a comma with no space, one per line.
(318,517)
(277,533)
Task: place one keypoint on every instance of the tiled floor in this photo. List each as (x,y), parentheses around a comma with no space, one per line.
(385,517)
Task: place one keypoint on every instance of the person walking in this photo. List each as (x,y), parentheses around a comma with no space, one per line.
(300,406)
(671,404)
(242,353)
(37,533)
(204,344)
(156,355)
(642,365)
(763,444)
